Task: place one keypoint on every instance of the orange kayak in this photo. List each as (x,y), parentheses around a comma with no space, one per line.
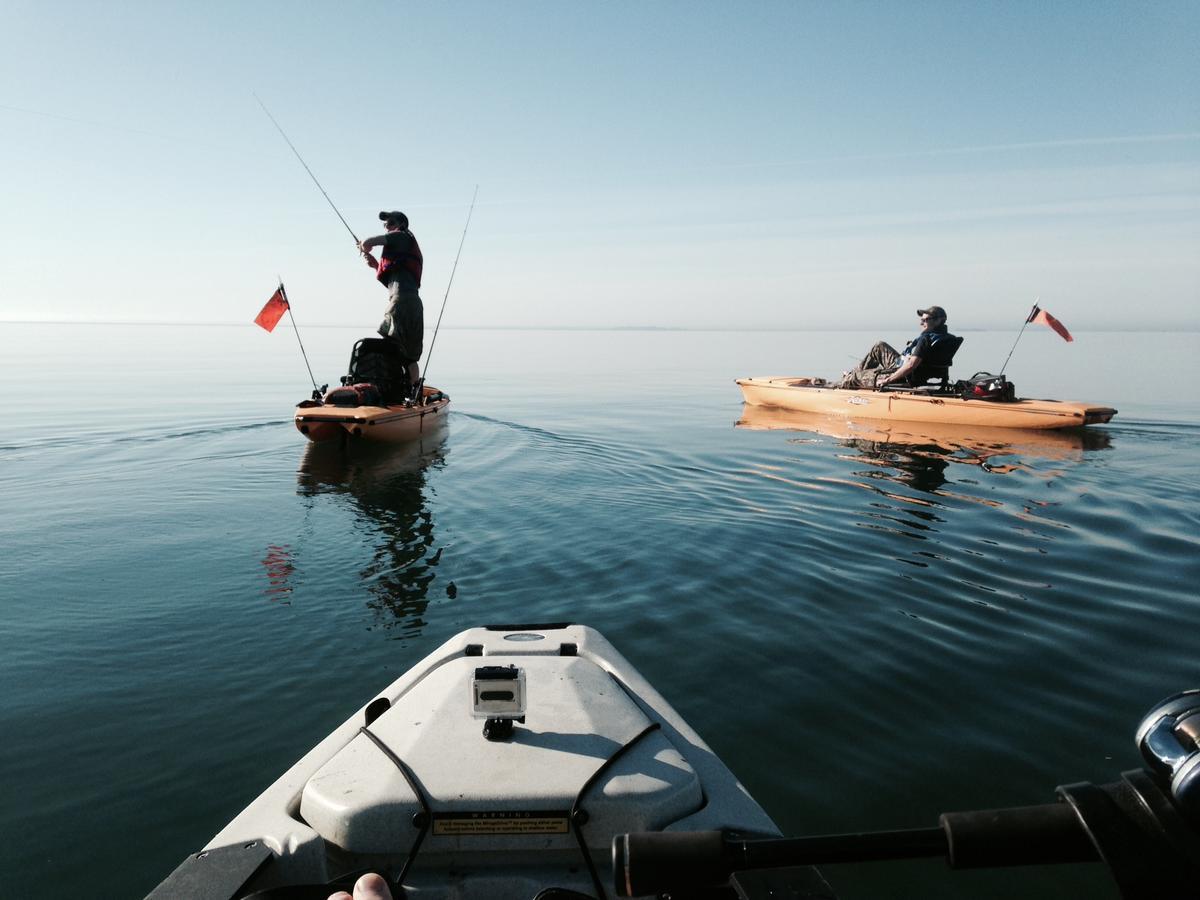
(974,441)
(801,395)
(321,421)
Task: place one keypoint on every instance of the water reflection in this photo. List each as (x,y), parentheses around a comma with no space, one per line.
(919,455)
(279,568)
(387,487)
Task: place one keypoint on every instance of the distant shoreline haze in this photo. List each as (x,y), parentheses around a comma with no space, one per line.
(883,326)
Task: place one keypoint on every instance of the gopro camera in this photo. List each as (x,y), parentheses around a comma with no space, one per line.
(498,695)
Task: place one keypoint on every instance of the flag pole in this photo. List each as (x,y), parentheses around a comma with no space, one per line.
(1029,318)
(296,329)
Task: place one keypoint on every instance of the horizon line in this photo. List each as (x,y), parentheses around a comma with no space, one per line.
(1159,329)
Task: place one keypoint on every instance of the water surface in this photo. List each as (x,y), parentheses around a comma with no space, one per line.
(870,627)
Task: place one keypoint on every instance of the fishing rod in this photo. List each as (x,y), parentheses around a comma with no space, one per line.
(307,169)
(283,134)
(1028,319)
(421,381)
(296,328)
(420,386)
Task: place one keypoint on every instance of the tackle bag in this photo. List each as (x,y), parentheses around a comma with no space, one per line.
(986,386)
(355,395)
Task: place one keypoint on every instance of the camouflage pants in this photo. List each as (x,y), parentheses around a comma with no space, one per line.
(404,321)
(881,359)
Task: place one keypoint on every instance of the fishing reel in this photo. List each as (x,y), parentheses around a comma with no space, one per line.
(1169,740)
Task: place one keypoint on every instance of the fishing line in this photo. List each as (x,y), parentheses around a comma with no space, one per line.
(306,168)
(421,381)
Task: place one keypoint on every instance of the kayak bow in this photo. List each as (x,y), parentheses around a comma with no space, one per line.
(410,785)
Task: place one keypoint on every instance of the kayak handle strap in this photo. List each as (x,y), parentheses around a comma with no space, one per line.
(579,815)
(421,819)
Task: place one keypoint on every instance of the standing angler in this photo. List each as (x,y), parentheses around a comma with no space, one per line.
(399,270)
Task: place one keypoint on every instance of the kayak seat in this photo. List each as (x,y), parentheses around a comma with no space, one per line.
(378,361)
(934,372)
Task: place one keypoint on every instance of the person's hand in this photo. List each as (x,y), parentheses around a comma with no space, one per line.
(369,887)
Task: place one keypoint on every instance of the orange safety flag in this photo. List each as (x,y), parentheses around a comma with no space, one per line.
(1042,317)
(275,308)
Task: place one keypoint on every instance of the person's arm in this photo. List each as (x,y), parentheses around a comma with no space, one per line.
(364,247)
(910,363)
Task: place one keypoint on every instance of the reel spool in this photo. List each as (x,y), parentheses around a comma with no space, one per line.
(1169,741)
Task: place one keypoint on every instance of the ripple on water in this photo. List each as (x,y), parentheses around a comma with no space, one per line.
(870,629)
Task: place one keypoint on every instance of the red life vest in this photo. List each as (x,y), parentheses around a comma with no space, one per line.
(400,251)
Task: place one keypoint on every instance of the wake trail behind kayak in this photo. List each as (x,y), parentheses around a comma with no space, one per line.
(104,439)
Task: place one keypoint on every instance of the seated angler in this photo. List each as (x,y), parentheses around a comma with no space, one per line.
(928,352)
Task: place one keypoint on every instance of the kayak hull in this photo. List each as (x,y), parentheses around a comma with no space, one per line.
(788,392)
(410,785)
(977,441)
(319,421)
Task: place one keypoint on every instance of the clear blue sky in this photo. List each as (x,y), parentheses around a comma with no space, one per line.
(768,164)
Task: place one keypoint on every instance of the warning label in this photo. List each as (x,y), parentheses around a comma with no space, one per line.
(500,822)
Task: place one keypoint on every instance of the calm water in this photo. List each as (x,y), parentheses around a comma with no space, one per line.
(868,629)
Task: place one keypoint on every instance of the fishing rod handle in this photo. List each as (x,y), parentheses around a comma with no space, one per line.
(654,862)
(1016,836)
(650,862)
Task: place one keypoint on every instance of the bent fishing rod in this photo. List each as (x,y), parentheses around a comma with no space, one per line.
(420,386)
(420,381)
(308,170)
(283,134)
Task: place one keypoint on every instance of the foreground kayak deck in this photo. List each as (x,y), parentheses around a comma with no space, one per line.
(789,392)
(410,787)
(320,421)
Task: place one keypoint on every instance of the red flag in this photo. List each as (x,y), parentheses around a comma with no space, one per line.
(275,308)
(1042,317)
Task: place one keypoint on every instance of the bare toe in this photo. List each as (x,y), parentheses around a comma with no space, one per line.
(371,887)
